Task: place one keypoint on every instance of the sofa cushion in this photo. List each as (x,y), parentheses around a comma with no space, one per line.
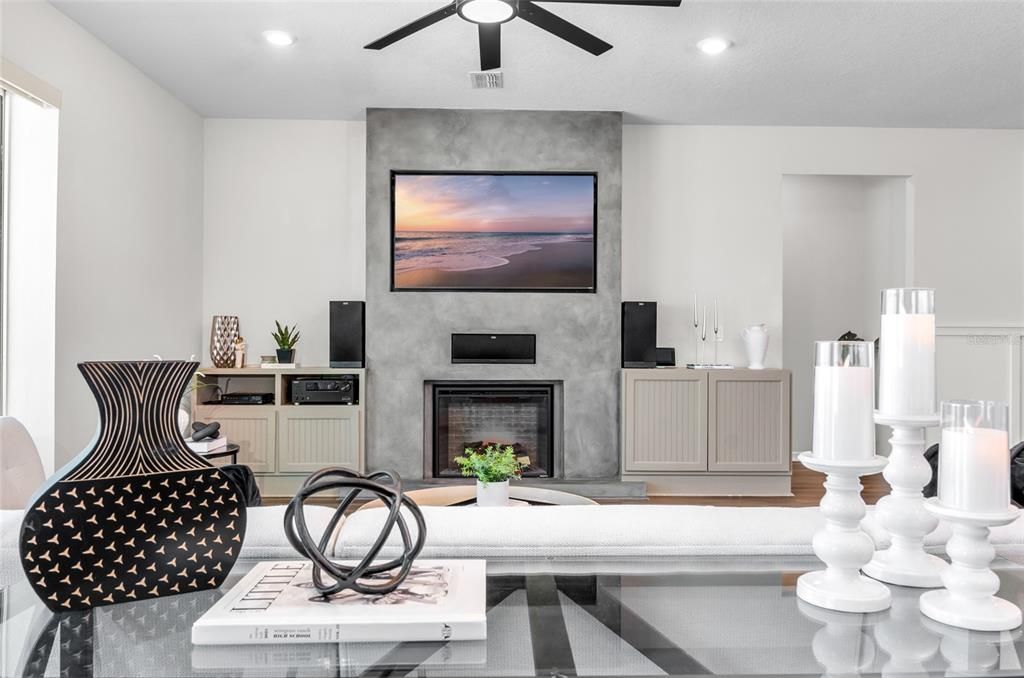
(264,531)
(624,531)
(592,531)
(1008,539)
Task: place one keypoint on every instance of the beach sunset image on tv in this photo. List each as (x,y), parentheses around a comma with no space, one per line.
(494,232)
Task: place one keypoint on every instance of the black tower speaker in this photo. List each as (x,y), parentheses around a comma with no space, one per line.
(639,334)
(348,333)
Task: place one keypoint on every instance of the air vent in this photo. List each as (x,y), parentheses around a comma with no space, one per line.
(487,79)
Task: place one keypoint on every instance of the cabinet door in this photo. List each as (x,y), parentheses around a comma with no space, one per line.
(748,421)
(252,427)
(314,436)
(665,421)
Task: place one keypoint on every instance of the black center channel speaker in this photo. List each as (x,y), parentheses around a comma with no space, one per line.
(515,349)
(348,334)
(639,334)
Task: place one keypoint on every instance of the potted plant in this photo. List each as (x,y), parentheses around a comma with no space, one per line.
(286,338)
(493,467)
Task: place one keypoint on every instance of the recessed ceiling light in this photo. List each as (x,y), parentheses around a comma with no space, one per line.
(713,46)
(279,38)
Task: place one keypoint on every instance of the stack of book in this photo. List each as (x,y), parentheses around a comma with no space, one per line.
(205,446)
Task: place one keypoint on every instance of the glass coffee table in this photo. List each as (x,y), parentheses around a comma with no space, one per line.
(679,617)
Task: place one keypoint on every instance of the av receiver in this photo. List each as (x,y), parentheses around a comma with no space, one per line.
(342,389)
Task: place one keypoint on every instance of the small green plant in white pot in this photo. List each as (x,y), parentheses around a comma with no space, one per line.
(493,467)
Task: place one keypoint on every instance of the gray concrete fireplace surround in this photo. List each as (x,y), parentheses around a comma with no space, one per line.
(408,334)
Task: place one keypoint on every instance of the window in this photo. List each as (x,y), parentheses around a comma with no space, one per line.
(28,264)
(3,249)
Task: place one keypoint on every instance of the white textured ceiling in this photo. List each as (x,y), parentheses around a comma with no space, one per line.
(860,63)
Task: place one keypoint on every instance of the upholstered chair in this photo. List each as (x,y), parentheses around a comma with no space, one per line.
(21,471)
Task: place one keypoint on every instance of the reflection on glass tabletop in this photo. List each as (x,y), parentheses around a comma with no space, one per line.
(680,617)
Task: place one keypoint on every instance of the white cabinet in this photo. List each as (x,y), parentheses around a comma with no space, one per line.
(707,432)
(282,442)
(311,437)
(666,421)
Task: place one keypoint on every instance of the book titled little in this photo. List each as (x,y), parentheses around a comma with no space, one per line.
(276,602)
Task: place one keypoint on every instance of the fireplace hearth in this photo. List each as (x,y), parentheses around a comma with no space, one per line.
(472,415)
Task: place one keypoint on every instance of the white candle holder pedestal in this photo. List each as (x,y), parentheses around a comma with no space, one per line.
(902,511)
(969,600)
(909,645)
(842,545)
(973,653)
(844,646)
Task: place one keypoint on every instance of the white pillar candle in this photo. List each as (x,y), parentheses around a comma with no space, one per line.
(974,456)
(906,360)
(844,392)
(974,470)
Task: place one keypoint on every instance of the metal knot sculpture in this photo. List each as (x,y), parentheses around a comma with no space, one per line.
(367,576)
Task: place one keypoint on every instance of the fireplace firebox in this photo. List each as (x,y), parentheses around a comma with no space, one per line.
(473,415)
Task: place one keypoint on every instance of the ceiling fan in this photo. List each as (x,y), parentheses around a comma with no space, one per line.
(489,15)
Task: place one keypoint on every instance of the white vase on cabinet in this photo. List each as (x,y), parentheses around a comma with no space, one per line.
(755,339)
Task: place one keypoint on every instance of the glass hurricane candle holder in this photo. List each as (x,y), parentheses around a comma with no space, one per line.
(906,353)
(844,396)
(906,404)
(973,496)
(974,456)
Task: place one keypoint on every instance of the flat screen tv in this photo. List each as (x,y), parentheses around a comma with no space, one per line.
(493,232)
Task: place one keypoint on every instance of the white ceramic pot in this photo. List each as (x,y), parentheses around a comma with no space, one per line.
(492,494)
(755,338)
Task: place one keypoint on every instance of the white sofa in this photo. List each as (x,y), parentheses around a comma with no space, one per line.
(566,532)
(622,531)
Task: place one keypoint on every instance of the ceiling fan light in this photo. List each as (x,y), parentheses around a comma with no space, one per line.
(487,11)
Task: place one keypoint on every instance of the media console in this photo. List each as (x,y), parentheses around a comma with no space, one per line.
(707,432)
(284,441)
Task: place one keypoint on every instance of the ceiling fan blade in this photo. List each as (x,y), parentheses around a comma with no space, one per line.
(490,46)
(556,25)
(638,3)
(410,28)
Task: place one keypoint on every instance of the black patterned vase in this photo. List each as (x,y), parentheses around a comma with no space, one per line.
(137,514)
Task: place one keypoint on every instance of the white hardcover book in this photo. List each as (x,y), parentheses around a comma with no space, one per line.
(276,603)
(279,366)
(353,658)
(207,445)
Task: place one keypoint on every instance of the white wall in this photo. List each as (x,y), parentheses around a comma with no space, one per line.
(702,212)
(843,240)
(129,209)
(31,261)
(285,227)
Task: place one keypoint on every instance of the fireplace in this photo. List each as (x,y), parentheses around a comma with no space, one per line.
(474,414)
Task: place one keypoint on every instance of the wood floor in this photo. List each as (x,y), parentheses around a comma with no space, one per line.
(807,491)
